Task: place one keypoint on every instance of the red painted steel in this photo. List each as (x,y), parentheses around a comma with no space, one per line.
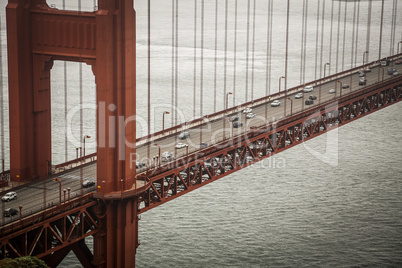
(37,36)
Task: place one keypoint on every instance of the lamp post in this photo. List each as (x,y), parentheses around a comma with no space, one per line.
(57,179)
(325,67)
(76,150)
(399,44)
(291,105)
(68,190)
(163,124)
(85,137)
(340,92)
(20,212)
(227,99)
(280,79)
(159,154)
(64,191)
(365,52)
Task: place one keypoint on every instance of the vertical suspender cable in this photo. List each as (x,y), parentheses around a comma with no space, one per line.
(81,108)
(195,57)
(382,17)
(173,62)
(2,156)
(216,52)
(226,54)
(330,37)
(316,38)
(149,77)
(65,104)
(202,56)
(357,30)
(302,41)
(344,37)
(393,24)
(353,36)
(287,47)
(234,55)
(322,36)
(305,43)
(177,63)
(268,58)
(337,41)
(247,47)
(368,29)
(252,57)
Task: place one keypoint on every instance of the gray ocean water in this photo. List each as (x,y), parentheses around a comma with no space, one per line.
(295,209)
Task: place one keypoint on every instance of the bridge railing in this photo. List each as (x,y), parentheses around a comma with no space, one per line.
(46,213)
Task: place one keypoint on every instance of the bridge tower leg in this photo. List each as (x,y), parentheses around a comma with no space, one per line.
(106,39)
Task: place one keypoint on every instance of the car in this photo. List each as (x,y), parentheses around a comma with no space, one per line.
(299,95)
(332,91)
(309,102)
(10,212)
(395,73)
(180,145)
(88,183)
(391,71)
(184,135)
(9,196)
(398,62)
(345,86)
(237,124)
(385,62)
(139,165)
(250,115)
(233,118)
(308,89)
(362,81)
(166,156)
(367,70)
(275,103)
(203,145)
(312,97)
(247,110)
(362,74)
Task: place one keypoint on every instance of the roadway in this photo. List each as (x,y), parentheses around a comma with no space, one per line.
(31,196)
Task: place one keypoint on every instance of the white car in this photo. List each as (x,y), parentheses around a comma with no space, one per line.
(9,196)
(184,135)
(166,156)
(250,115)
(247,110)
(299,95)
(275,103)
(332,91)
(180,145)
(308,89)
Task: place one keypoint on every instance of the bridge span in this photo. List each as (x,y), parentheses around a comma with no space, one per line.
(102,195)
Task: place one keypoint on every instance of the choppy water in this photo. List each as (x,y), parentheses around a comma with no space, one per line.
(293,210)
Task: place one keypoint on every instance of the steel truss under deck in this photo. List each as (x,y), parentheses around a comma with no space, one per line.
(187,174)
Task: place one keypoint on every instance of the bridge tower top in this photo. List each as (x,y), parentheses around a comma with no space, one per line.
(37,35)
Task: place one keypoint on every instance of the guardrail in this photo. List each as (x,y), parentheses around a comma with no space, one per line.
(45,214)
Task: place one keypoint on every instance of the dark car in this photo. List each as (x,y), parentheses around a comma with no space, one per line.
(234,118)
(312,97)
(88,183)
(184,135)
(203,145)
(237,124)
(345,86)
(309,102)
(391,71)
(10,212)
(139,165)
(398,62)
